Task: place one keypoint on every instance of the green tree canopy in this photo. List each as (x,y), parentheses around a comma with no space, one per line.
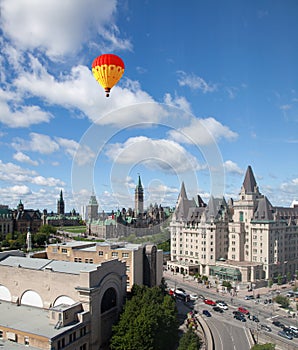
(282,301)
(267,346)
(189,341)
(148,322)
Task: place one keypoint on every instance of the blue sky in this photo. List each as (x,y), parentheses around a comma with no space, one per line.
(209,88)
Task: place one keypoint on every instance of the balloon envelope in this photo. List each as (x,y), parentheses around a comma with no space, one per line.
(108,70)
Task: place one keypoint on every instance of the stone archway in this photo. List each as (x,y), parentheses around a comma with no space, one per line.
(109,300)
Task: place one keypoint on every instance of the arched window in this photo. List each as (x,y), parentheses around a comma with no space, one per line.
(5,293)
(109,300)
(31,298)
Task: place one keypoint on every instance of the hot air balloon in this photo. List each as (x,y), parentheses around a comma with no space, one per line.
(108,70)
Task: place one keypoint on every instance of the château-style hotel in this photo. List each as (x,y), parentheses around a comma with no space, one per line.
(246,241)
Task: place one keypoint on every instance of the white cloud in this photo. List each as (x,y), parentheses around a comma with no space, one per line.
(47,181)
(290,186)
(195,82)
(70,146)
(79,90)
(60,27)
(203,132)
(12,173)
(39,143)
(178,101)
(164,155)
(14,115)
(232,167)
(23,158)
(19,190)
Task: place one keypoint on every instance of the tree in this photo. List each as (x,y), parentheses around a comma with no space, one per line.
(48,229)
(148,322)
(189,341)
(165,246)
(289,276)
(227,284)
(282,301)
(267,346)
(40,239)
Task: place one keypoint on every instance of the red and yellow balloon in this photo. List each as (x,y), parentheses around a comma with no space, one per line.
(108,70)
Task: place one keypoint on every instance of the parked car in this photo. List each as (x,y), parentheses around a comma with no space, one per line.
(237,313)
(209,302)
(249,297)
(285,335)
(193,297)
(290,294)
(172,291)
(222,305)
(206,313)
(294,329)
(240,318)
(255,319)
(243,310)
(278,324)
(218,309)
(266,328)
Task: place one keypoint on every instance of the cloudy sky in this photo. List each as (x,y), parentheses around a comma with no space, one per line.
(209,88)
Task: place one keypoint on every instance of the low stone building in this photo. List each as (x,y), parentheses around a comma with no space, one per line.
(144,263)
(47,304)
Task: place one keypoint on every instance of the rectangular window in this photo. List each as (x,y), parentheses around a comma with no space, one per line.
(64,251)
(115,254)
(100,253)
(125,255)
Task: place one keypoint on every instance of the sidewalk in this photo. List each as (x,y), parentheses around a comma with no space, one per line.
(263,292)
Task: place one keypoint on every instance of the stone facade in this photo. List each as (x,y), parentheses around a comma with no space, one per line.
(50,285)
(247,240)
(143,263)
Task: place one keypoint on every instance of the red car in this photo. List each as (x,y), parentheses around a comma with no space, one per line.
(209,302)
(243,310)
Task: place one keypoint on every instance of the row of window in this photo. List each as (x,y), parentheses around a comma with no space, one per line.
(87,261)
(72,337)
(114,254)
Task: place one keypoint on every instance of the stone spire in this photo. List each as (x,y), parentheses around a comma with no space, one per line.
(249,183)
(139,198)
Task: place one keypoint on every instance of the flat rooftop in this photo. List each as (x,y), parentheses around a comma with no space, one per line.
(28,319)
(46,264)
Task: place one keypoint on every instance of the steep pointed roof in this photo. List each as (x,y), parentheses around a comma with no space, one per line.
(200,202)
(139,187)
(249,183)
(215,208)
(264,210)
(182,193)
(183,204)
